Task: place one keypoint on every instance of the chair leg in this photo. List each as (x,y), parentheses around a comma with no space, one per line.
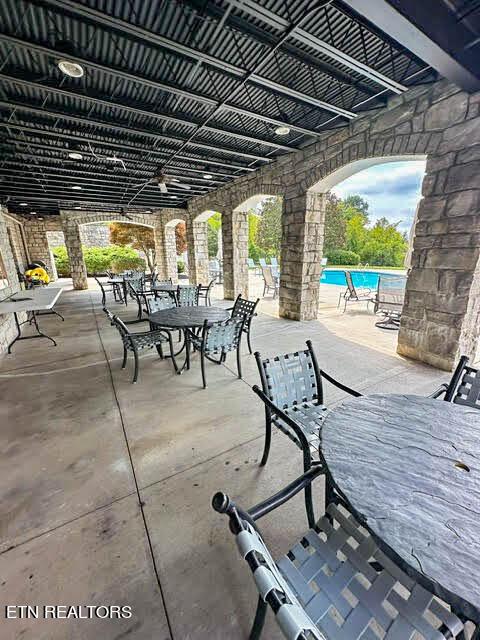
(249,340)
(135,373)
(202,365)
(124,361)
(160,350)
(307,463)
(268,438)
(239,362)
(259,621)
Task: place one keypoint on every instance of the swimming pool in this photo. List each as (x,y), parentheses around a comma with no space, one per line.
(360,278)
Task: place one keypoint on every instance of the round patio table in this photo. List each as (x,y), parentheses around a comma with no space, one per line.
(409,468)
(184,318)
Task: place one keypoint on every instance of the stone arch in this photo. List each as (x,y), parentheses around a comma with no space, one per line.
(197,237)
(169,223)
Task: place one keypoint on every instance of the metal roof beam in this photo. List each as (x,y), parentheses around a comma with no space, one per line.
(97,17)
(323,47)
(431,32)
(119,73)
(149,114)
(82,139)
(126,130)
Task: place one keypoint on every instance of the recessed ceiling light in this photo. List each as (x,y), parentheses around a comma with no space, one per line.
(174,180)
(207,176)
(77,187)
(77,207)
(40,218)
(24,204)
(74,155)
(282,131)
(33,213)
(174,197)
(148,211)
(72,69)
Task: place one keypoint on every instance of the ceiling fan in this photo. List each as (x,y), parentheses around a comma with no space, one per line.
(161,180)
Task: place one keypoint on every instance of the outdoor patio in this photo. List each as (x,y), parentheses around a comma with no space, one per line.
(94,445)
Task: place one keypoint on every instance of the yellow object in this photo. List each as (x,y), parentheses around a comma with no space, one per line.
(38,274)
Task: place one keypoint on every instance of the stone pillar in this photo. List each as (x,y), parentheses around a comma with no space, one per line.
(235,253)
(73,243)
(38,248)
(197,240)
(160,258)
(440,318)
(171,252)
(302,245)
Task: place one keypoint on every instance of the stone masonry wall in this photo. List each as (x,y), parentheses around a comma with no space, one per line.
(17,244)
(92,235)
(7,323)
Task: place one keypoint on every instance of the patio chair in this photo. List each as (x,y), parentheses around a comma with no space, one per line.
(464,386)
(251,263)
(270,282)
(216,341)
(274,262)
(292,392)
(352,294)
(246,308)
(159,303)
(106,287)
(187,296)
(324,262)
(140,295)
(136,342)
(204,292)
(335,582)
(263,262)
(389,301)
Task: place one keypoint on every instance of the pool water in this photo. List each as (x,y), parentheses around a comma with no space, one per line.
(360,278)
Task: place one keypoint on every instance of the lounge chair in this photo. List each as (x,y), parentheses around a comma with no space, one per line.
(352,294)
(270,281)
(389,301)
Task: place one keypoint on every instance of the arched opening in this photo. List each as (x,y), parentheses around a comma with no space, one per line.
(176,250)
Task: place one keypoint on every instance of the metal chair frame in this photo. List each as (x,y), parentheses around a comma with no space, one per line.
(135,342)
(270,281)
(246,308)
(337,556)
(187,296)
(218,339)
(352,295)
(205,292)
(106,287)
(298,415)
(464,386)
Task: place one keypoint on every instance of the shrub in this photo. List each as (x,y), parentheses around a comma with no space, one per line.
(99,260)
(342,256)
(180,266)
(62,262)
(127,263)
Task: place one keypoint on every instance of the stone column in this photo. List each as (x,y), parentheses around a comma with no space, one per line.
(235,253)
(171,253)
(160,257)
(38,248)
(441,314)
(302,244)
(73,243)
(197,240)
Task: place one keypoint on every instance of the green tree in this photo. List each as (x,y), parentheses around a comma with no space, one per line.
(214,224)
(354,206)
(253,250)
(385,245)
(136,236)
(356,233)
(269,230)
(335,225)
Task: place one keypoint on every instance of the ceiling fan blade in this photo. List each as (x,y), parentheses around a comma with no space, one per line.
(182,186)
(163,187)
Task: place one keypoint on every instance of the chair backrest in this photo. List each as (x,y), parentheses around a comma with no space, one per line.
(268,276)
(390,293)
(251,263)
(160,303)
(274,262)
(136,283)
(292,378)
(350,286)
(464,387)
(100,284)
(263,262)
(119,324)
(224,335)
(244,307)
(324,262)
(135,288)
(187,296)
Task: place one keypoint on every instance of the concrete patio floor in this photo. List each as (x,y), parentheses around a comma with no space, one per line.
(106,486)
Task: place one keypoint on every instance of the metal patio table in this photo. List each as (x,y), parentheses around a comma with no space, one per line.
(409,467)
(185,318)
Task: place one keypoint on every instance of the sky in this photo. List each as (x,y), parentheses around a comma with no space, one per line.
(392,190)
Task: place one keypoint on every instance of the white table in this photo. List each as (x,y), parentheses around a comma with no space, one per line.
(30,301)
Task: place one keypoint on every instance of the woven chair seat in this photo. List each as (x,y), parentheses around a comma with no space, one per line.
(145,340)
(332,591)
(309,417)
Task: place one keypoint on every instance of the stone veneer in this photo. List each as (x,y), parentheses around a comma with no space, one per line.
(436,121)
(7,323)
(92,235)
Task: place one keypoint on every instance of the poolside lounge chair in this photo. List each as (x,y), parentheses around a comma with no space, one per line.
(352,294)
(274,262)
(389,300)
(270,281)
(263,262)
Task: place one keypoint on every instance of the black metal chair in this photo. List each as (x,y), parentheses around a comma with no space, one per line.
(137,291)
(136,342)
(246,308)
(205,292)
(464,386)
(216,341)
(159,303)
(292,392)
(106,287)
(334,583)
(187,296)
(352,294)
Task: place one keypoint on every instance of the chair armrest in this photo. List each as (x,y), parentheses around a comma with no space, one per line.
(223,504)
(341,386)
(440,391)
